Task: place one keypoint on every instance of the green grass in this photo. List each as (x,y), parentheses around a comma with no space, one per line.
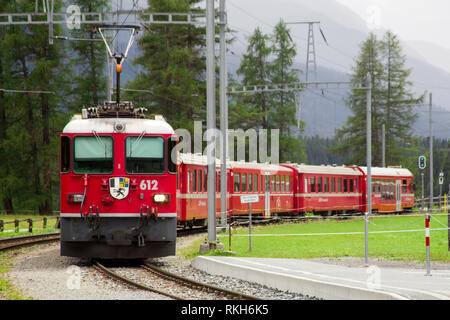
(284,241)
(7,289)
(37,226)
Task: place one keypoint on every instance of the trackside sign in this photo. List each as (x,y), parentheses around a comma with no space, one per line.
(249,198)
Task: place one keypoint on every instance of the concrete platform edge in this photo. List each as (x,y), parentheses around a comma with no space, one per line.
(297,284)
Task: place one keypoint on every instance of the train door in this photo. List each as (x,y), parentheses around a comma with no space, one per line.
(267,195)
(398,195)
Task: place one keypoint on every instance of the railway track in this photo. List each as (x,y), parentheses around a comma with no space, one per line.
(26,241)
(170,281)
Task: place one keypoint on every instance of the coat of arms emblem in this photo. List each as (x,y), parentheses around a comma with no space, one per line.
(119,187)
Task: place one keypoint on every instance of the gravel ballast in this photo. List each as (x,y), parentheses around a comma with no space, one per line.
(41,273)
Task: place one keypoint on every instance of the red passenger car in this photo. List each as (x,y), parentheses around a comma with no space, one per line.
(272,183)
(392,189)
(327,189)
(118,185)
(192,208)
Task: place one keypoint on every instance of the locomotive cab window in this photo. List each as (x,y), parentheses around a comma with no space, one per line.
(93,154)
(65,154)
(171,154)
(144,155)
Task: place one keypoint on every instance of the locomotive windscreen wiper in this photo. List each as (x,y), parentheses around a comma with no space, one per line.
(136,142)
(100,141)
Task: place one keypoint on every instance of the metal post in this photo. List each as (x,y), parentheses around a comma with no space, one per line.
(211,121)
(427,242)
(383,146)
(431,155)
(250,227)
(223,117)
(369,164)
(423,196)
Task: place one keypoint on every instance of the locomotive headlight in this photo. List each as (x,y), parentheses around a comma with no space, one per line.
(75,198)
(161,198)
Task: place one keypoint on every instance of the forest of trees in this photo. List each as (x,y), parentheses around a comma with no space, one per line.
(172,72)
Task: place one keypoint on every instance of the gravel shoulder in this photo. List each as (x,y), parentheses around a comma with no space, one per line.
(42,274)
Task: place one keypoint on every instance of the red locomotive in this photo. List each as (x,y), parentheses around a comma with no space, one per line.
(118,184)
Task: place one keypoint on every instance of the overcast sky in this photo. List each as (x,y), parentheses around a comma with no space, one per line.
(425,20)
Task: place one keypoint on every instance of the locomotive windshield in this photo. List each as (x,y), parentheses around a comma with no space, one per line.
(93,154)
(144,155)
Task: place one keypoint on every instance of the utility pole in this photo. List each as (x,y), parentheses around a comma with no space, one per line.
(431,154)
(223,115)
(369,165)
(211,122)
(383,146)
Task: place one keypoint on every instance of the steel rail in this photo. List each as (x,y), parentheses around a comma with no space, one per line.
(24,241)
(101,268)
(196,284)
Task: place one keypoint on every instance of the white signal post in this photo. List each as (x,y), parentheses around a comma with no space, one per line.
(427,242)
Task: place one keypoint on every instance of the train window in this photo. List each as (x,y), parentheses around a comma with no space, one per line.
(272,184)
(172,154)
(205,181)
(351,181)
(404,186)
(306,185)
(319,184)
(333,185)
(218,182)
(356,185)
(250,182)
(345,185)
(65,154)
(261,183)
(288,183)
(93,154)
(194,181)
(144,155)
(325,184)
(237,182)
(188,177)
(283,183)
(244,182)
(200,174)
(255,182)
(313,184)
(278,183)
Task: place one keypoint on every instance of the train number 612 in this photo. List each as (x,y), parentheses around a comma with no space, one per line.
(149,185)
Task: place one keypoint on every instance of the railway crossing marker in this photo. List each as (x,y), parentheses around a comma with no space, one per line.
(427,242)
(249,198)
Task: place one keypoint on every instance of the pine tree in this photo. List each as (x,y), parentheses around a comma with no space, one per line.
(89,60)
(391,104)
(173,61)
(352,136)
(398,111)
(252,111)
(283,105)
(28,140)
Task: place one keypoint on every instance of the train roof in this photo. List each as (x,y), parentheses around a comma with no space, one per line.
(304,168)
(199,159)
(391,172)
(196,159)
(107,125)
